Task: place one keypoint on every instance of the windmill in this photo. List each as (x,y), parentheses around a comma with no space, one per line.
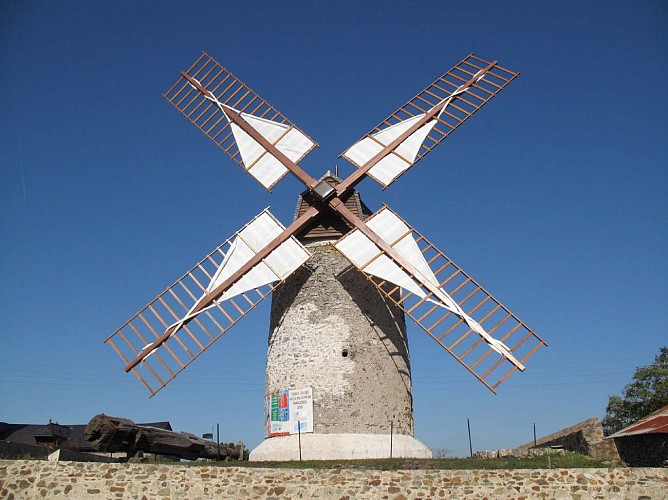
(338,254)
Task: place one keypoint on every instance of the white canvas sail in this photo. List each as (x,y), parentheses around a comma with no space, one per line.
(257,161)
(403,155)
(254,237)
(261,164)
(365,255)
(401,158)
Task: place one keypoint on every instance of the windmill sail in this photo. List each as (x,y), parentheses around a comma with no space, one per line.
(368,257)
(277,266)
(193,332)
(466,334)
(424,121)
(462,317)
(207,94)
(400,158)
(260,163)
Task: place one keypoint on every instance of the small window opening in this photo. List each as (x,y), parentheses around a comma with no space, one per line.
(344,353)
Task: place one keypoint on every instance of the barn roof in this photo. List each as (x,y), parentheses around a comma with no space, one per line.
(654,423)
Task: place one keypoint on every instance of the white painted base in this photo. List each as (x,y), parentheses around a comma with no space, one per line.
(338,447)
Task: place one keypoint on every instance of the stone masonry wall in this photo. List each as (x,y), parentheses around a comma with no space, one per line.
(332,330)
(41,479)
(574,438)
(585,437)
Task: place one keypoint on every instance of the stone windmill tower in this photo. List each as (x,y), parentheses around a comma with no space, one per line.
(343,279)
(333,332)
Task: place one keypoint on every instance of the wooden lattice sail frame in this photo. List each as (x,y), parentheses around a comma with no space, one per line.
(439,102)
(452,308)
(236,98)
(449,330)
(181,346)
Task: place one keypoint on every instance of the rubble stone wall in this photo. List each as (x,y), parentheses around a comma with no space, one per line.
(41,479)
(332,330)
(585,437)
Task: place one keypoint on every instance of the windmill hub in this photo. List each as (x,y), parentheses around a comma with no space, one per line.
(338,380)
(324,190)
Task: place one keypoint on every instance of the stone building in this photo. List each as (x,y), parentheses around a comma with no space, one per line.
(333,332)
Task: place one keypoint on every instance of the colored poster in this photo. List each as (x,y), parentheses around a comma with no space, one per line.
(288,411)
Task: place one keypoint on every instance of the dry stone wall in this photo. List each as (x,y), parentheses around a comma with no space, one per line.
(585,437)
(40,479)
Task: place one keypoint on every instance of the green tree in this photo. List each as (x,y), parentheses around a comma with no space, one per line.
(645,394)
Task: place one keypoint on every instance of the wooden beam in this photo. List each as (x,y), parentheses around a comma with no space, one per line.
(360,173)
(309,181)
(359,224)
(210,297)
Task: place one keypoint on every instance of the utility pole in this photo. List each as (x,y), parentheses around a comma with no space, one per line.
(468,424)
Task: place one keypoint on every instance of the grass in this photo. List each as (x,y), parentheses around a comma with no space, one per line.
(567,461)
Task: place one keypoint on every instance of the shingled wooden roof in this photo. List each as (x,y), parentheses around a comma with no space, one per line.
(329,225)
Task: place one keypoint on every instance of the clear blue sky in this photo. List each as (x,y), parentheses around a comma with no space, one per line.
(554,197)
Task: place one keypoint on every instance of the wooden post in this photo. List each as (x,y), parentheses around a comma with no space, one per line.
(468,424)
